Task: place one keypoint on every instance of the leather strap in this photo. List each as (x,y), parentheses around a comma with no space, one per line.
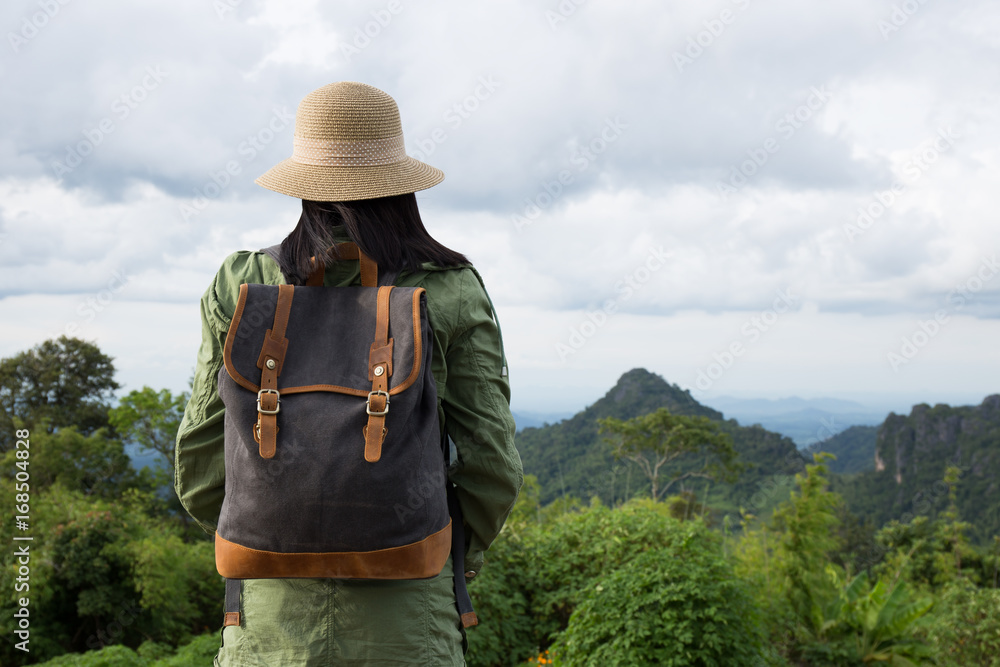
(232,608)
(315,278)
(462,599)
(379,371)
(272,356)
(369,269)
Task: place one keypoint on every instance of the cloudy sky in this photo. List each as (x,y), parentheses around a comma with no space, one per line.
(748,197)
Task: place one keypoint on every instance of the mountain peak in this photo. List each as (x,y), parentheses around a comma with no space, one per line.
(639,392)
(573,457)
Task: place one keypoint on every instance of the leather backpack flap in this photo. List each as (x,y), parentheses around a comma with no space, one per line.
(330,336)
(341,340)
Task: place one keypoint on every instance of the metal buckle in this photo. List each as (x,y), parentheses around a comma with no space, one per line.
(368,403)
(277,405)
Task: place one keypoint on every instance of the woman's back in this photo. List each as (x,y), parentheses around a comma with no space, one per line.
(356,183)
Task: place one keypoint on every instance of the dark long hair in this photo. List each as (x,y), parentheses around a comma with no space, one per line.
(387,229)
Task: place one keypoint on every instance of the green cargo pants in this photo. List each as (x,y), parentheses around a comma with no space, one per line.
(292,622)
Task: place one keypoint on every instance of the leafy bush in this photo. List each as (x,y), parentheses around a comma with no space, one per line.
(818,614)
(870,623)
(540,570)
(507,634)
(675,605)
(760,563)
(200,651)
(107,573)
(109,656)
(966,627)
(578,548)
(926,550)
(178,599)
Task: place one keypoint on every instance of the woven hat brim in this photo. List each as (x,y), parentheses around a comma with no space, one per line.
(318,183)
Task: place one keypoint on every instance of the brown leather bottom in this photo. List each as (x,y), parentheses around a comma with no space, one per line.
(419,560)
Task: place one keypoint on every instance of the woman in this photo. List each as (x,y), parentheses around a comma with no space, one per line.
(356,184)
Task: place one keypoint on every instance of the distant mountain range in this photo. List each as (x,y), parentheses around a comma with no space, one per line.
(805,421)
(144,458)
(536,419)
(888,470)
(887,467)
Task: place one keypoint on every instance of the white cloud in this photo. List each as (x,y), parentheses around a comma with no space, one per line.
(507,101)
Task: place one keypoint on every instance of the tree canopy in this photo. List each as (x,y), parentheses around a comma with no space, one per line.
(60,382)
(151,418)
(658,440)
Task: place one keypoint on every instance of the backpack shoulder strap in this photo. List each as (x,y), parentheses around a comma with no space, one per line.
(274,252)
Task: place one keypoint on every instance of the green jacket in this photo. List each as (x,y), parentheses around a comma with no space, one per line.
(473,397)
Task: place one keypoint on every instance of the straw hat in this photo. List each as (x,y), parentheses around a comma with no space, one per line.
(348,145)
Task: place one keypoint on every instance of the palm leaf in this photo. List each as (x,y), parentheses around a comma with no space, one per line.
(855,588)
(900,611)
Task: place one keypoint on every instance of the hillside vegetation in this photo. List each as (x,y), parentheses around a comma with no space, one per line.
(787,565)
(854,448)
(911,455)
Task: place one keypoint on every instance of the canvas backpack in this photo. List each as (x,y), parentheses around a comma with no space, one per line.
(335,466)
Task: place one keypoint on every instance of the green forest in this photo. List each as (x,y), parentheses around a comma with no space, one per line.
(650,531)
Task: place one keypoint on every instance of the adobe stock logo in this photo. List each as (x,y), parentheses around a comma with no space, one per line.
(786,127)
(899,17)
(122,107)
(913,170)
(455,116)
(566,9)
(626,288)
(928,329)
(704,39)
(95,304)
(583,158)
(751,330)
(363,35)
(250,148)
(31,25)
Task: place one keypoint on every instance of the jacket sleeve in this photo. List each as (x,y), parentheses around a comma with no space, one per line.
(199,455)
(478,418)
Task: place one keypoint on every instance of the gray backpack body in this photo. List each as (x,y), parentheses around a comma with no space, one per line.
(314,505)
(335,466)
